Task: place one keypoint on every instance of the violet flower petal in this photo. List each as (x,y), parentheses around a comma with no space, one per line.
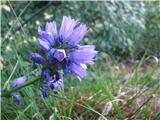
(44,45)
(67,27)
(77,70)
(19,81)
(37,58)
(84,54)
(51,28)
(78,34)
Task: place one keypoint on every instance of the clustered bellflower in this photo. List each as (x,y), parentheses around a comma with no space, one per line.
(60,52)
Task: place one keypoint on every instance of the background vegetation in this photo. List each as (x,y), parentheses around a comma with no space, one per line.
(124,82)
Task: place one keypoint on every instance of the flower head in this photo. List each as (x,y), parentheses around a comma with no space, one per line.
(62,51)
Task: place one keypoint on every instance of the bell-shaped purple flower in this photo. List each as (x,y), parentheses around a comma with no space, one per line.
(47,35)
(76,70)
(19,81)
(85,54)
(17,98)
(52,28)
(78,34)
(37,58)
(59,54)
(67,26)
(44,45)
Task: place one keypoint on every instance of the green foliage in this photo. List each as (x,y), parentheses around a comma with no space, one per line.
(151,34)
(119,28)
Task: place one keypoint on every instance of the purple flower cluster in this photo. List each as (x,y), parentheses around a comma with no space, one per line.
(61,51)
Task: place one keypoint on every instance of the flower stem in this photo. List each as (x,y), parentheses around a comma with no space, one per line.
(8,93)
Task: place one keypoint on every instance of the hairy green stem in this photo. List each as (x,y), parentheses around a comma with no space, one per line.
(8,93)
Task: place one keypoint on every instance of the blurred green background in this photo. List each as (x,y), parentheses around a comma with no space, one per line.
(124,29)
